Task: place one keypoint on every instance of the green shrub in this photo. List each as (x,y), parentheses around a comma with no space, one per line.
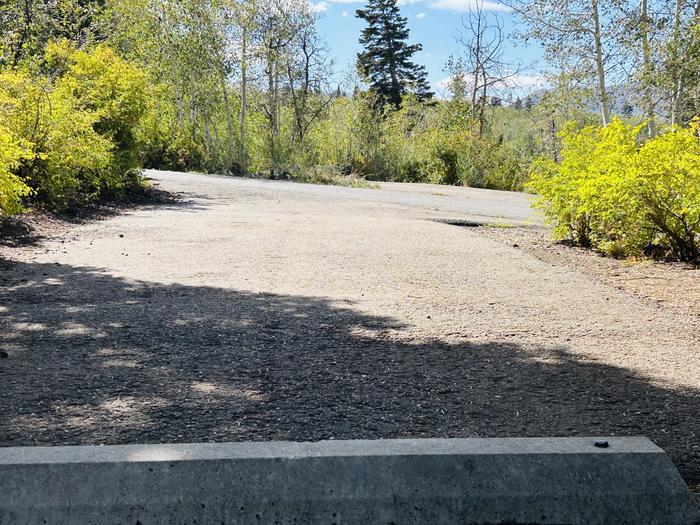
(69,136)
(77,162)
(24,105)
(667,187)
(621,195)
(12,189)
(418,143)
(115,94)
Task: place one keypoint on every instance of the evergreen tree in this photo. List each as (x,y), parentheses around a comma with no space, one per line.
(627,110)
(386,61)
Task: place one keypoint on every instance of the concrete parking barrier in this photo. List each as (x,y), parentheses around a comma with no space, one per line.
(431,481)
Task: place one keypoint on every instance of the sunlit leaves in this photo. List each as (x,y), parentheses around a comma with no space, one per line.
(622,195)
(69,136)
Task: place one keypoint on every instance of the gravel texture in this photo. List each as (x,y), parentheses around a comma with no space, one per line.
(255,310)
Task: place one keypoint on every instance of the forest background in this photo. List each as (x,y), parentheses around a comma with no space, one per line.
(92,91)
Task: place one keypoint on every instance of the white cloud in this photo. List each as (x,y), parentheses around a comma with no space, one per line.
(518,84)
(526,82)
(465,5)
(444,83)
(421,15)
(319,7)
(345,14)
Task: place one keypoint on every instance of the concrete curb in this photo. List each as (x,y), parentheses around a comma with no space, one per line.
(432,481)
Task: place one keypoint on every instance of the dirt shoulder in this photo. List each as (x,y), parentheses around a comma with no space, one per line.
(669,285)
(20,234)
(29,230)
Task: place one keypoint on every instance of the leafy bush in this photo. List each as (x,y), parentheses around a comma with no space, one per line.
(76,161)
(12,189)
(416,143)
(69,135)
(101,88)
(621,195)
(23,106)
(667,186)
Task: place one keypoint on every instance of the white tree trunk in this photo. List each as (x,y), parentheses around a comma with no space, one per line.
(600,64)
(647,70)
(242,154)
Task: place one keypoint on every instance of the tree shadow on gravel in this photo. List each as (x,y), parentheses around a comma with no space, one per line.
(32,228)
(97,359)
(15,232)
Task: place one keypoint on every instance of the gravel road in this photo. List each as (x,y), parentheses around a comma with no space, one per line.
(463,203)
(255,310)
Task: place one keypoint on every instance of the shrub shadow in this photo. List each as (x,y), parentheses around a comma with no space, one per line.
(32,228)
(97,359)
(16,232)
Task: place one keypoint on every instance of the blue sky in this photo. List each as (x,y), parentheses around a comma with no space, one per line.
(433,23)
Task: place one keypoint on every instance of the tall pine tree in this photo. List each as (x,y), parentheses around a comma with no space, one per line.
(386,61)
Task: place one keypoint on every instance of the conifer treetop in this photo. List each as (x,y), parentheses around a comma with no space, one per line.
(386,62)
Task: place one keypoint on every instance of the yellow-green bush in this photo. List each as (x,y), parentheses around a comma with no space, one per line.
(12,189)
(114,95)
(23,103)
(77,161)
(68,134)
(13,152)
(666,177)
(621,194)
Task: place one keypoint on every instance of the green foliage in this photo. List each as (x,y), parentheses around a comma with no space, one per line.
(73,158)
(71,134)
(622,196)
(263,108)
(667,185)
(190,122)
(23,106)
(26,27)
(12,189)
(436,143)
